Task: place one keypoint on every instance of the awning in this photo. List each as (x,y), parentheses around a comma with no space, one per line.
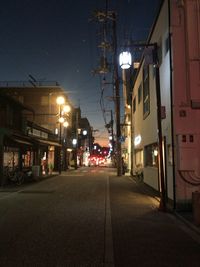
(19,140)
(46,142)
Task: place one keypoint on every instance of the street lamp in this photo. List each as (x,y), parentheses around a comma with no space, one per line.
(63,110)
(126,62)
(60,100)
(66,109)
(84,132)
(65,124)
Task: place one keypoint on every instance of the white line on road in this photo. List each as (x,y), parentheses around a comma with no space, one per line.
(109,255)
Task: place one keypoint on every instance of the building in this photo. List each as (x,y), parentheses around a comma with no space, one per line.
(85,140)
(176,33)
(42,98)
(23,144)
(126,129)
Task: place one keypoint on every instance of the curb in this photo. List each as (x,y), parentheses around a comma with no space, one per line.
(186,222)
(147,190)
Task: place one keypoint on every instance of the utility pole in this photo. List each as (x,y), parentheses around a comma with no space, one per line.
(105,17)
(117,99)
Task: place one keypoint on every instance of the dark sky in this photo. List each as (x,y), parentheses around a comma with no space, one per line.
(56,40)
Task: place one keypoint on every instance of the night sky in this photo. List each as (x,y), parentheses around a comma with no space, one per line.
(55,40)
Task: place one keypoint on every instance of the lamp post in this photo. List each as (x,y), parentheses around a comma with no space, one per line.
(63,110)
(125,61)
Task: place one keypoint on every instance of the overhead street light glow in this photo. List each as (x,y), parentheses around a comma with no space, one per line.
(125,60)
(60,100)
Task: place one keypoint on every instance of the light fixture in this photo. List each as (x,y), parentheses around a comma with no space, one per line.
(65,124)
(137,140)
(155,152)
(61,119)
(74,141)
(125,60)
(66,108)
(60,100)
(84,132)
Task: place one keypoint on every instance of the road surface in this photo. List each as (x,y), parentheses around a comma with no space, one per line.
(90,217)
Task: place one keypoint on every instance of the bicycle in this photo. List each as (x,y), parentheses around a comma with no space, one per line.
(14,175)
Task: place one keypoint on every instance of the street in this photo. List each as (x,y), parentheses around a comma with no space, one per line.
(90,217)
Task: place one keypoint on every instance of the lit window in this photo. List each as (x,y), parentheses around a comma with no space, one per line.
(139,158)
(151,155)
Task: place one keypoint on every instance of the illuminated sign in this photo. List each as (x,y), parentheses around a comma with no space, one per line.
(137,140)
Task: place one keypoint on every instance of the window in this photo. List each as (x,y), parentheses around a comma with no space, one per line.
(170,156)
(151,155)
(134,104)
(146,97)
(166,44)
(139,159)
(139,93)
(159,52)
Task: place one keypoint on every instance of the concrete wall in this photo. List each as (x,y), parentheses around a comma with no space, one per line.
(185,26)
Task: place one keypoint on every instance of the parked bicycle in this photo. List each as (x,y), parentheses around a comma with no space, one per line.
(14,175)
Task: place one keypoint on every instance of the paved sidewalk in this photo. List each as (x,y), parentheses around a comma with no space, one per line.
(145,236)
(184,216)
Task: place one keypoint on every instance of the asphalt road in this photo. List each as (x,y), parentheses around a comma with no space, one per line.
(90,217)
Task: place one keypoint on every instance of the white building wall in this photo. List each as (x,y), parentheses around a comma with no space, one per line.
(160,35)
(147,127)
(183,80)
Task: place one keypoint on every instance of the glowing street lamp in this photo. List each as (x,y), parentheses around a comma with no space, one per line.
(74,142)
(61,120)
(60,100)
(65,124)
(84,132)
(63,109)
(125,60)
(66,109)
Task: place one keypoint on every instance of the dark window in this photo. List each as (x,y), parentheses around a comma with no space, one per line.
(139,93)
(3,118)
(151,155)
(166,44)
(134,104)
(159,51)
(146,97)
